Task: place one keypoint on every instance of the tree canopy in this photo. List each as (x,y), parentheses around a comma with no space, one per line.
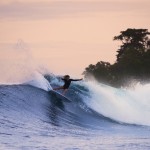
(132,62)
(135,39)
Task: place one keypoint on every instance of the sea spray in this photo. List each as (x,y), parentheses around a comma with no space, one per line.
(39,81)
(123,105)
(18,66)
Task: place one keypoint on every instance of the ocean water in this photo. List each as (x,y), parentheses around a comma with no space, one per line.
(99,117)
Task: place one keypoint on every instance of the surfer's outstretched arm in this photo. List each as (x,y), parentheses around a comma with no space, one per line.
(76,79)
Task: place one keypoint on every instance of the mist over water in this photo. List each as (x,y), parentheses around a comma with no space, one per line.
(18,65)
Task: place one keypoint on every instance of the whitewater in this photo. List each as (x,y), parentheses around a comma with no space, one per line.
(99,116)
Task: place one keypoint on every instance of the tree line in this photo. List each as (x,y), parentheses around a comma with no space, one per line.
(132,60)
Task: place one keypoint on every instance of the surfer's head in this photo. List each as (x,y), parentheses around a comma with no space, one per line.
(67,77)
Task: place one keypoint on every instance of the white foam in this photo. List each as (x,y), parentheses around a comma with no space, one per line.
(123,105)
(39,81)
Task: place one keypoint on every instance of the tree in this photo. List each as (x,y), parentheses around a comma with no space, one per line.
(132,53)
(101,71)
(133,60)
(136,39)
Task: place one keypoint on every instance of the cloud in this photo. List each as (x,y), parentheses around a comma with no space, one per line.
(53,9)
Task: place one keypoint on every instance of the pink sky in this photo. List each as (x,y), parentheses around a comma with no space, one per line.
(67,36)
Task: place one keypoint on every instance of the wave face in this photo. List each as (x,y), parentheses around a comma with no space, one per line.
(32,118)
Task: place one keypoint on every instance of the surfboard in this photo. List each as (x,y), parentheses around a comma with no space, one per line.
(59,96)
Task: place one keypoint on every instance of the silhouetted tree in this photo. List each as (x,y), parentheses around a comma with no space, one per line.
(133,60)
(101,71)
(135,39)
(132,53)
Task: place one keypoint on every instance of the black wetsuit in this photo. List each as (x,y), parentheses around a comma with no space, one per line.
(68,82)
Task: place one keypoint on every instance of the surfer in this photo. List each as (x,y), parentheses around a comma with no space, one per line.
(67,82)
